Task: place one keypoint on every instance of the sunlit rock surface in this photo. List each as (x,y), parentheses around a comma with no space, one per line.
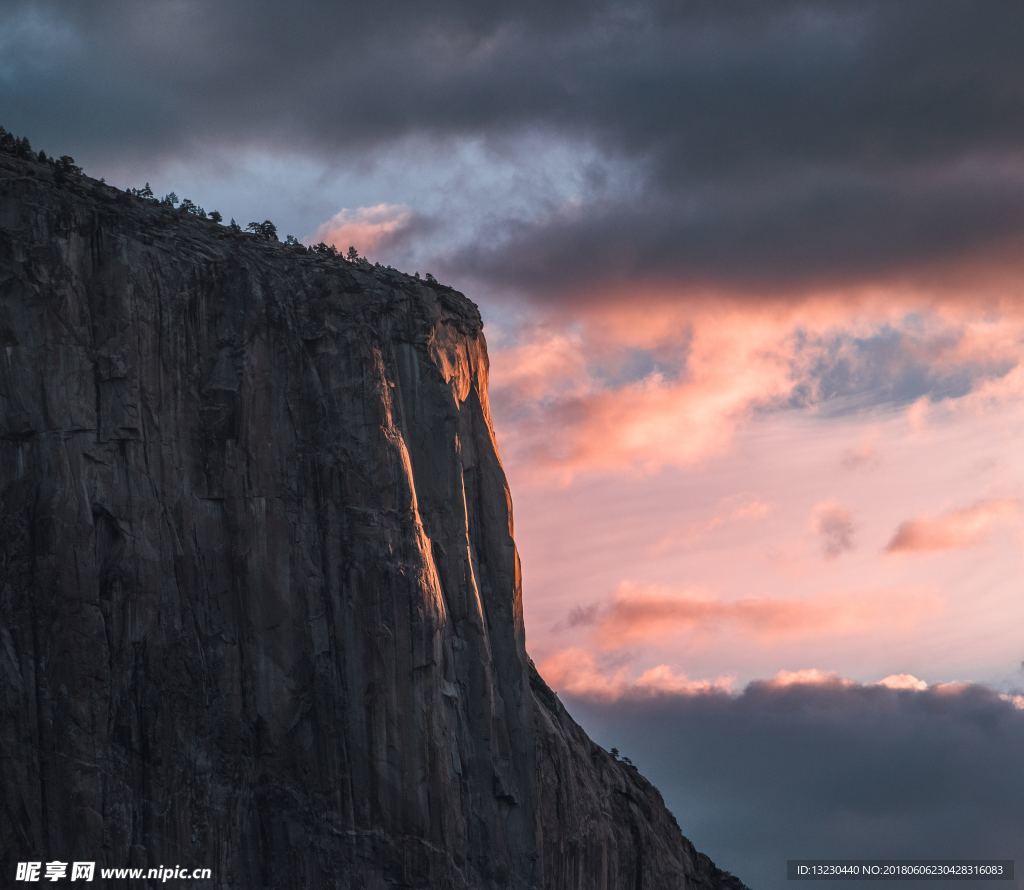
(259,596)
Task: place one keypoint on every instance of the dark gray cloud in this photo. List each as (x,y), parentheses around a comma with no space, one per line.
(745,146)
(786,241)
(177,75)
(828,771)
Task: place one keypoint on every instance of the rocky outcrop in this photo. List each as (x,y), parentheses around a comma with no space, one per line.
(259,597)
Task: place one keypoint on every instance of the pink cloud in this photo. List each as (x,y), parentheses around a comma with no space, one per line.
(653,416)
(954,529)
(645,614)
(806,677)
(1014,699)
(575,672)
(994,394)
(686,410)
(717,366)
(978,339)
(368,229)
(903,681)
(537,367)
(663,679)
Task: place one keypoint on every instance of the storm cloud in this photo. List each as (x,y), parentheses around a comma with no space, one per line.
(828,769)
(740,148)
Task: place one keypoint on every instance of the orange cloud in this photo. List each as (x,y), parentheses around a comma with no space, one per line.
(714,365)
(645,614)
(541,366)
(707,383)
(368,229)
(955,529)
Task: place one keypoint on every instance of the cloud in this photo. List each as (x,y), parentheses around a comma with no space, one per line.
(643,613)
(543,363)
(647,385)
(788,249)
(806,677)
(369,229)
(903,681)
(954,529)
(576,672)
(834,525)
(652,613)
(784,148)
(709,374)
(849,770)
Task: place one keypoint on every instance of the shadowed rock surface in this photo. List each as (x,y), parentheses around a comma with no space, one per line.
(259,597)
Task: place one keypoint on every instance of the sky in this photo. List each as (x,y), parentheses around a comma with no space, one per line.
(750,276)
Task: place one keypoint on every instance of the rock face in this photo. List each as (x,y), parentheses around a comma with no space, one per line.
(259,597)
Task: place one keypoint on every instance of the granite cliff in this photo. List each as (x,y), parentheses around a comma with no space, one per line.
(259,596)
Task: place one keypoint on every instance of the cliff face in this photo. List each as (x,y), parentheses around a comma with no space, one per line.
(259,597)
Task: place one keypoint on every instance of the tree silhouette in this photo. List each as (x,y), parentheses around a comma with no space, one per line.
(266,230)
(66,164)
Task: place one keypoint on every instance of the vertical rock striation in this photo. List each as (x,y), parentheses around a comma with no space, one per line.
(259,597)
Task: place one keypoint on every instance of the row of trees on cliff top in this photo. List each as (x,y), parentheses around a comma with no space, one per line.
(20,147)
(265,230)
(65,165)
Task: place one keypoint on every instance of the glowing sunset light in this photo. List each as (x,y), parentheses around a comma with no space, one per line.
(826,425)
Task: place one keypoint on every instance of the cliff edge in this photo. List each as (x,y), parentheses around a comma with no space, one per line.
(260,602)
